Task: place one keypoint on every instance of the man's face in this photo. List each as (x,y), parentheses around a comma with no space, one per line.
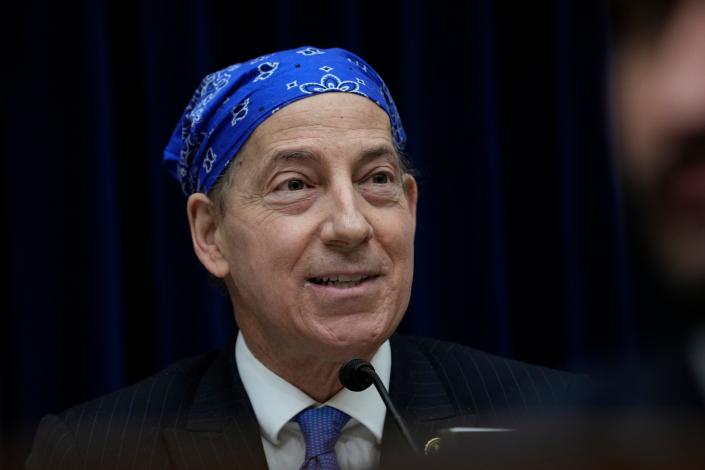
(659,106)
(318,230)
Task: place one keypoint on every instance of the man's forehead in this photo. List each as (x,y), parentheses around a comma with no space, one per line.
(336,112)
(309,128)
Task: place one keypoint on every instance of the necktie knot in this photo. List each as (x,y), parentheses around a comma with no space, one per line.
(321,428)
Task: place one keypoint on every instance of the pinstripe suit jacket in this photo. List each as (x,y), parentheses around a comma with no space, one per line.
(196,414)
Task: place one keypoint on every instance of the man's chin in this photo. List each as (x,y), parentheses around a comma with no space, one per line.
(348,340)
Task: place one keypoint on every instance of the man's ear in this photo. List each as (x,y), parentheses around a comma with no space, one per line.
(204,221)
(411,191)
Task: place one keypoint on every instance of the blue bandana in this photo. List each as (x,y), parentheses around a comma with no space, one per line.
(229,105)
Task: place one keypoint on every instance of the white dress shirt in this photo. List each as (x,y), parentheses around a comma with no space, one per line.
(275,402)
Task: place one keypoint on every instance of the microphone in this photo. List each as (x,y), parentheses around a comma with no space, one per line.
(357,375)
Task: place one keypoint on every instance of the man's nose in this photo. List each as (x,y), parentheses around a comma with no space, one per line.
(346,225)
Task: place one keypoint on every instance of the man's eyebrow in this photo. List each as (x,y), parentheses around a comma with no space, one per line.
(287,155)
(293,154)
(304,155)
(376,152)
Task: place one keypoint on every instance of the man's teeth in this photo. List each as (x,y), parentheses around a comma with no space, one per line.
(340,281)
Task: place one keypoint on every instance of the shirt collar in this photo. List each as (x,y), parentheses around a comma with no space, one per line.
(275,401)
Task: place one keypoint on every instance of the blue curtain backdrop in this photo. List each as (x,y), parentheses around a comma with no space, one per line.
(520,244)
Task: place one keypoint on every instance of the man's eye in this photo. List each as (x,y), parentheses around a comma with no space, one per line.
(380,178)
(295,185)
(292,184)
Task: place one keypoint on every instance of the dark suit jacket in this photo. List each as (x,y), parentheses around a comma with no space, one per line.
(196,414)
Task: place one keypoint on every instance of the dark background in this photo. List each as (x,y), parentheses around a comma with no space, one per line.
(521,248)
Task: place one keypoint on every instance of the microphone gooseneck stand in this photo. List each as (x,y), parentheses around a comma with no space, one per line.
(357,375)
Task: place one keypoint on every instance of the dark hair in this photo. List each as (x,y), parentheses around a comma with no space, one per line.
(639,20)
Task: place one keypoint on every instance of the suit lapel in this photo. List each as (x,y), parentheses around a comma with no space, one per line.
(420,394)
(219,429)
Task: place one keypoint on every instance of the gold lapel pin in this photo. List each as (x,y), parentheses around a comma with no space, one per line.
(433,446)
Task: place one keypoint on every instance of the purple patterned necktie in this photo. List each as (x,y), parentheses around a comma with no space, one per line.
(321,428)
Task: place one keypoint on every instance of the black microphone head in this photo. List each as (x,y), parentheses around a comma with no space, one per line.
(356,375)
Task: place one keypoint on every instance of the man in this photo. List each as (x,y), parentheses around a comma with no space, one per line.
(300,202)
(658,100)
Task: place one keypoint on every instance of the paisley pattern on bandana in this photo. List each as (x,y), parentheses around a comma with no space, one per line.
(229,104)
(209,88)
(310,51)
(266,70)
(208,161)
(330,82)
(240,111)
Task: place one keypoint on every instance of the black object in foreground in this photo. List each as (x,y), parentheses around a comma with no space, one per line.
(357,375)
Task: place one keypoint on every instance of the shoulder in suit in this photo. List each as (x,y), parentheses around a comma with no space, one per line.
(164,421)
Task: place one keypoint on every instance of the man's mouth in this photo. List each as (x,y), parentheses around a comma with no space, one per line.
(341,281)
